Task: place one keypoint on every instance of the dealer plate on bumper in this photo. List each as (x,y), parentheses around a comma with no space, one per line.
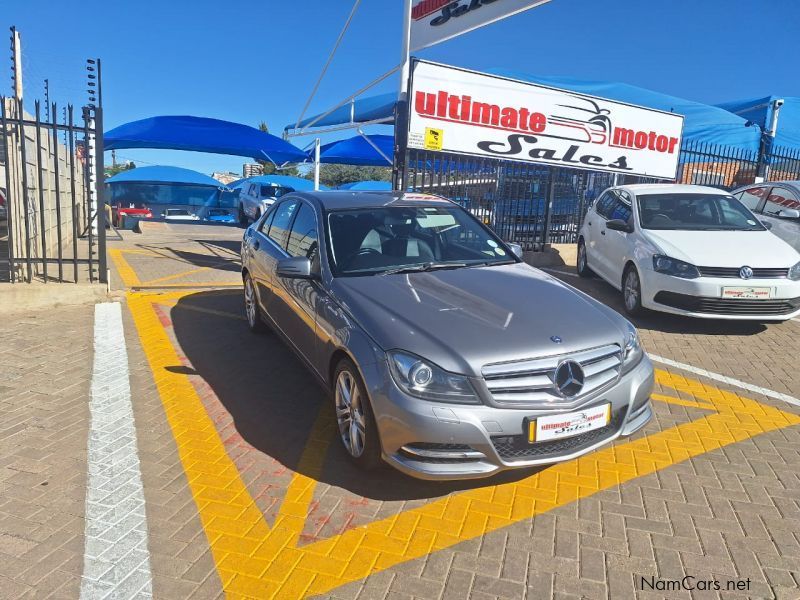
(747,293)
(565,425)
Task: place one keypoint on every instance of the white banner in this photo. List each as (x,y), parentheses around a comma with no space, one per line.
(465,112)
(434,21)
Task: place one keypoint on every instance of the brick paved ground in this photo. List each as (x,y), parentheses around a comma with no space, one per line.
(732,512)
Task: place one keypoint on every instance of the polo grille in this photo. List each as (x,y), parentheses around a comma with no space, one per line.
(528,383)
(733,273)
(728,306)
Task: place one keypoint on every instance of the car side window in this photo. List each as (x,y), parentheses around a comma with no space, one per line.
(780,198)
(303,239)
(265,224)
(752,197)
(620,210)
(279,228)
(603,204)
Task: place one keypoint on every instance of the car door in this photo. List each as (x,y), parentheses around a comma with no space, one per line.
(294,300)
(778,201)
(268,248)
(595,236)
(615,246)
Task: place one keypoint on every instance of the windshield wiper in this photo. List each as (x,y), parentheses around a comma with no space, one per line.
(428,266)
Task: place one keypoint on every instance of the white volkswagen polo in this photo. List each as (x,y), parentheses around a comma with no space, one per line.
(689,250)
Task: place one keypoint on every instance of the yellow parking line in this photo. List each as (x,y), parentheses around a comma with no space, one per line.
(125,271)
(175,275)
(256,560)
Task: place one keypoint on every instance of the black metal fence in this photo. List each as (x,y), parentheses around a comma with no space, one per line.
(52,229)
(535,205)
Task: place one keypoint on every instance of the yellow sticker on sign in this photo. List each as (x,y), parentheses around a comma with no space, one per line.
(433,138)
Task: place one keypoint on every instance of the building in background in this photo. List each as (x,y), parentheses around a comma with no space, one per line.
(252,170)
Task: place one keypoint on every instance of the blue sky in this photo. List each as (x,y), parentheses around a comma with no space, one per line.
(252,61)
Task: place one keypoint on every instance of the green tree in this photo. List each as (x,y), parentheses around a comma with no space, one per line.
(335,175)
(112,170)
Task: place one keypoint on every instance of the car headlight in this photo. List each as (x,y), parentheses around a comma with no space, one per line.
(794,272)
(674,267)
(423,379)
(632,353)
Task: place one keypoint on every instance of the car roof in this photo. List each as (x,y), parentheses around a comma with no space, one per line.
(344,200)
(641,189)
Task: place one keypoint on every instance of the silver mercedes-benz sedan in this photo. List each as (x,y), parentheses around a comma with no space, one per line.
(445,354)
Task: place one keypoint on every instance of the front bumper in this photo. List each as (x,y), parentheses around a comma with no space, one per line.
(430,440)
(702,297)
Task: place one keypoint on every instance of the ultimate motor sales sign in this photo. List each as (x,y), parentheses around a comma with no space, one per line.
(466,112)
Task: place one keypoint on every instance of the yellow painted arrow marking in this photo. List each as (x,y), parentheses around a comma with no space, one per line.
(257,560)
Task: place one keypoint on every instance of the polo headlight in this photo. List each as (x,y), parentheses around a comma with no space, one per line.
(794,272)
(632,353)
(423,379)
(672,266)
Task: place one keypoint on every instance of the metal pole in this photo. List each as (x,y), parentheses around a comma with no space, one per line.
(316,165)
(401,109)
(9,211)
(16,57)
(40,170)
(548,211)
(57,177)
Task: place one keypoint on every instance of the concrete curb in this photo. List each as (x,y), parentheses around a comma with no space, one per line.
(21,297)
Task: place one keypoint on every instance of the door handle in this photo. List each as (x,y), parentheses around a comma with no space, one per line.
(602,233)
(590,223)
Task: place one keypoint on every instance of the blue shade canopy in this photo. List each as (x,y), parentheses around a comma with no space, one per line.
(367,186)
(358,111)
(760,111)
(358,151)
(164,175)
(298,184)
(200,134)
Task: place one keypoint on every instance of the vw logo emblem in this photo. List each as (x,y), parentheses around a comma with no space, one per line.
(569,378)
(555,339)
(745,272)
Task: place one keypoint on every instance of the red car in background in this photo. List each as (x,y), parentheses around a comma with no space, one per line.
(134,209)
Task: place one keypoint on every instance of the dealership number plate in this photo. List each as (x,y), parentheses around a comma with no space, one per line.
(747,293)
(554,427)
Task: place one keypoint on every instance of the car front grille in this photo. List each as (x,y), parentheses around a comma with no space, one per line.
(727,306)
(517,448)
(529,383)
(733,273)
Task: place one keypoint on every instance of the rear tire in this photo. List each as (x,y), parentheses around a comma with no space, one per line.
(632,291)
(354,418)
(583,261)
(251,309)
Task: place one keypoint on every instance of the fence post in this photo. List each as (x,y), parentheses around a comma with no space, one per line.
(548,211)
(102,263)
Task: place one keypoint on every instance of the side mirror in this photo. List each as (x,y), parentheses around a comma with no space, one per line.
(515,248)
(296,267)
(767,224)
(619,225)
(788,213)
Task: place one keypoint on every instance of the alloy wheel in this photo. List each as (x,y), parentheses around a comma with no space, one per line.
(250,302)
(632,291)
(581,257)
(350,413)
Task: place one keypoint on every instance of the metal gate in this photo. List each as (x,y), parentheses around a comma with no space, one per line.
(51,229)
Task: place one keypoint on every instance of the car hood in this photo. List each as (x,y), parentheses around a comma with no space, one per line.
(462,319)
(760,249)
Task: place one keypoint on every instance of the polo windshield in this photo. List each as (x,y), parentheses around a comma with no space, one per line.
(419,238)
(695,212)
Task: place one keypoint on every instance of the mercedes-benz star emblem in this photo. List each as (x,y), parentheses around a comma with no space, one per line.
(745,272)
(569,378)
(555,339)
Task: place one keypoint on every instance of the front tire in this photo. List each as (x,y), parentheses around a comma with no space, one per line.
(251,308)
(354,419)
(632,291)
(583,261)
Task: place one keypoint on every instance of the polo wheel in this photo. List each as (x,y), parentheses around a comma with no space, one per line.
(583,261)
(632,291)
(251,308)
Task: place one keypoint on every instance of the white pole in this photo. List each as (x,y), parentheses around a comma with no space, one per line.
(316,165)
(404,57)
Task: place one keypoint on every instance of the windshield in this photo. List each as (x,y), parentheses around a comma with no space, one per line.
(695,212)
(377,240)
(274,191)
